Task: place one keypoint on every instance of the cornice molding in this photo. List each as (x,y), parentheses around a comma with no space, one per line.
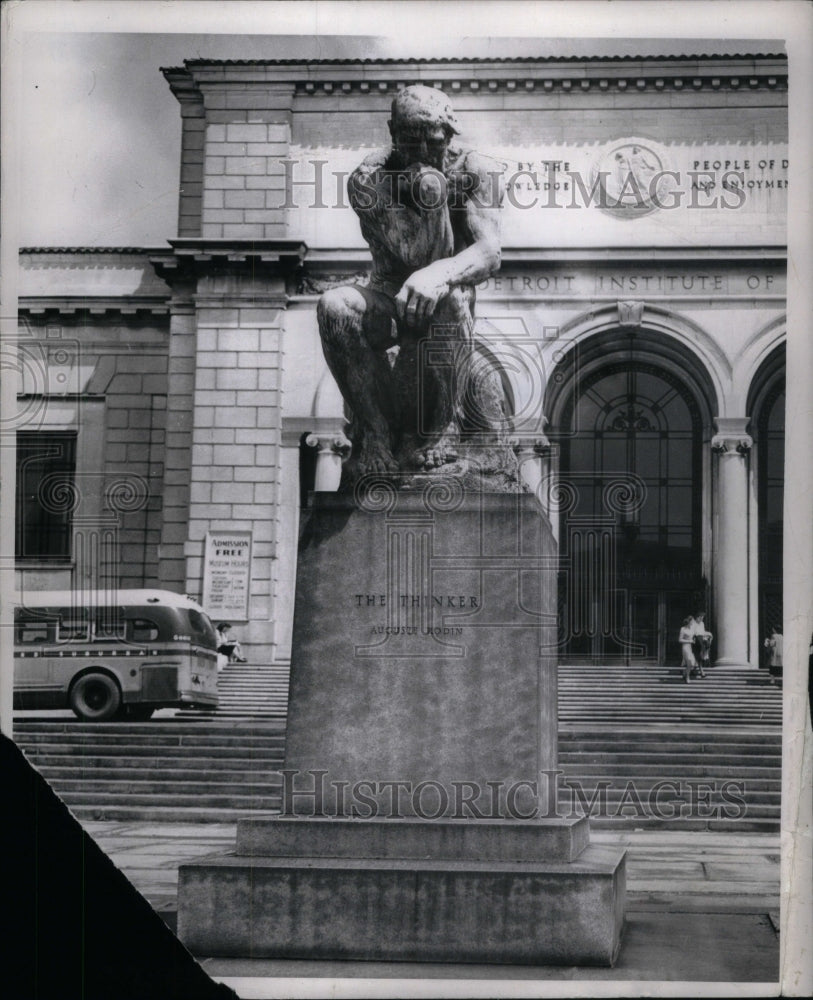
(544,74)
(90,305)
(192,257)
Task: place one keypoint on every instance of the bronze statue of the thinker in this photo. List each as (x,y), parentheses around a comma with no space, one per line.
(402,349)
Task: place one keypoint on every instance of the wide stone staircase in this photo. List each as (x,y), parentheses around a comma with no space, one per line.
(672,777)
(250,690)
(162,770)
(653,695)
(638,748)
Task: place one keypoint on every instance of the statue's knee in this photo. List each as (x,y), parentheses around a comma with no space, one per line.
(338,309)
(454,307)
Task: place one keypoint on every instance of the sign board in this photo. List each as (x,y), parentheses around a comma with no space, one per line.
(226,574)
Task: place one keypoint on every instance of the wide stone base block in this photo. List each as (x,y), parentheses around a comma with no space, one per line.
(564,907)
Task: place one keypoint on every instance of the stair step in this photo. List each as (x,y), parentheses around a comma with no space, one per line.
(187,738)
(233,801)
(168,814)
(59,775)
(676,770)
(62,756)
(249,785)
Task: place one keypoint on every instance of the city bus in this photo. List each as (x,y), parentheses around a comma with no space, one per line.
(116,655)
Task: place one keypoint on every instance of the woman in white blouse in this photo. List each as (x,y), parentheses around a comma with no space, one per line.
(685,639)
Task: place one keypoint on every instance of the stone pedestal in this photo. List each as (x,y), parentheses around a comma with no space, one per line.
(419,792)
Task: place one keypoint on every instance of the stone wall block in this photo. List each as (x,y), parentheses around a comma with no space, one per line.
(240,417)
(225,216)
(208,512)
(217,359)
(254,473)
(227,149)
(251,398)
(244,199)
(213,398)
(212,316)
(202,454)
(213,198)
(246,230)
(228,492)
(239,340)
(207,340)
(232,182)
(205,379)
(257,132)
(273,183)
(200,492)
(245,165)
(238,378)
(232,455)
(155,384)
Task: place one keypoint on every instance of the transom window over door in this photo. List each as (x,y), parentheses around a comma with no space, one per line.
(631,538)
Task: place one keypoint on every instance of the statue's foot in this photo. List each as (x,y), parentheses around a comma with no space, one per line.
(375,459)
(446,449)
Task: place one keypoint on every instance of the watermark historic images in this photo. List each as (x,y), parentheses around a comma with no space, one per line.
(552,796)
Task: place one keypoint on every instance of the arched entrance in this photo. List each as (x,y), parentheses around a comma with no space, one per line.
(630,431)
(766,404)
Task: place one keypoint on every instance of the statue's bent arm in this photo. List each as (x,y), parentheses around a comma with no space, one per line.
(422,290)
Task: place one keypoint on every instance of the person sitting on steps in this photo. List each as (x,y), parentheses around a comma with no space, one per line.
(227,645)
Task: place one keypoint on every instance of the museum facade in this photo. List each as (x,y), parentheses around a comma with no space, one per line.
(176,407)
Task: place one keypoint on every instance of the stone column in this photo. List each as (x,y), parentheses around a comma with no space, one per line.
(536,459)
(731,581)
(223,434)
(331,449)
(180,408)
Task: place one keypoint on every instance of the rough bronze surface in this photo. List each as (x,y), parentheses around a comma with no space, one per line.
(401,348)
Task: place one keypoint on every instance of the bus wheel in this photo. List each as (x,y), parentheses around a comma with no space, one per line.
(138,713)
(95,697)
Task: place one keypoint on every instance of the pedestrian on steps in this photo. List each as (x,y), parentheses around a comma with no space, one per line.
(774,644)
(686,638)
(702,642)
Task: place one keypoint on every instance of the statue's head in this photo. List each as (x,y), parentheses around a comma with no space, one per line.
(422,125)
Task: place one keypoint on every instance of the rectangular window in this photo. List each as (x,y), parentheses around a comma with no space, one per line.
(73,627)
(46,492)
(29,632)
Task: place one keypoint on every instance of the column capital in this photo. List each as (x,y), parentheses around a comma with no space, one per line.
(334,442)
(731,435)
(534,441)
(538,445)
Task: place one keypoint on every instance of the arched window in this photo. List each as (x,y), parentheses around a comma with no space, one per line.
(630,538)
(770,428)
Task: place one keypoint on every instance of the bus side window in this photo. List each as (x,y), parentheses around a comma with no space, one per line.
(34,631)
(109,625)
(73,628)
(141,630)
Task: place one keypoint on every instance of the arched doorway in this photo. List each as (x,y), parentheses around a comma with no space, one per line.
(766,404)
(630,432)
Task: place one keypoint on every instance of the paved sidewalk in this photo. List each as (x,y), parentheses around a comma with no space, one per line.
(701,907)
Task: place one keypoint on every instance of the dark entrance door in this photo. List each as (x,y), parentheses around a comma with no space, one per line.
(771,437)
(630,540)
